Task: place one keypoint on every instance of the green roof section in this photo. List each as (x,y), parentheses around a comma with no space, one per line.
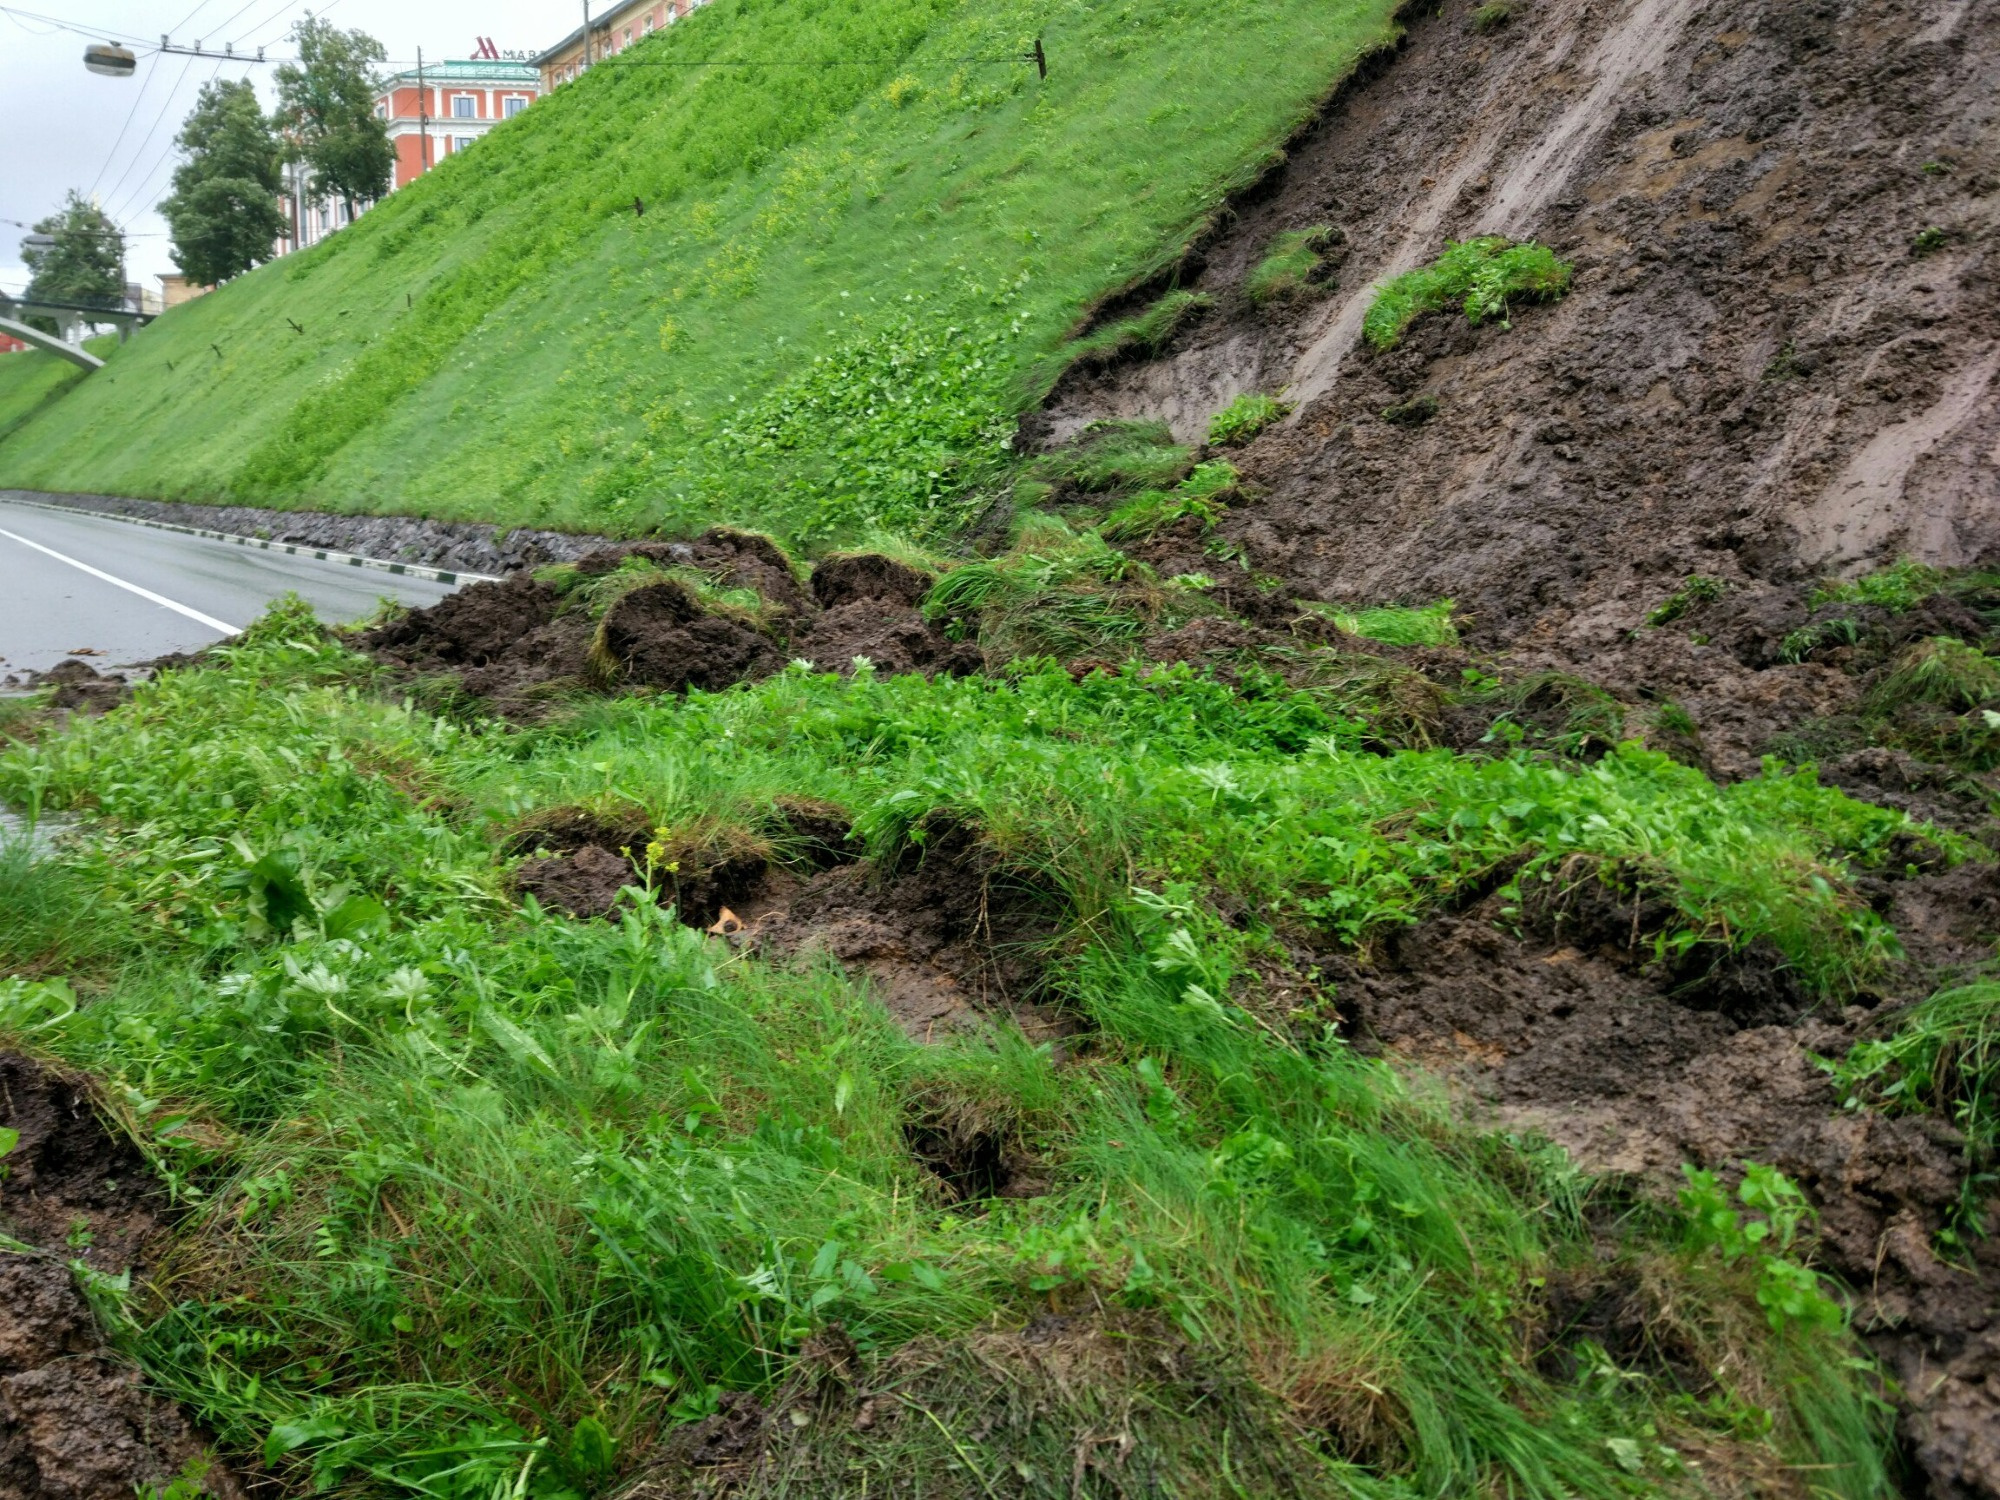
(469,71)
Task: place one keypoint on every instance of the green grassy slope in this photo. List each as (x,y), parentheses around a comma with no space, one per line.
(28,381)
(837,335)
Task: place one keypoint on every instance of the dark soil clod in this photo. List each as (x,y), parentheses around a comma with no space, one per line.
(510,642)
(75,1421)
(945,938)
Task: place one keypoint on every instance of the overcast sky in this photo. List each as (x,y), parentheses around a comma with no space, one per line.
(112,138)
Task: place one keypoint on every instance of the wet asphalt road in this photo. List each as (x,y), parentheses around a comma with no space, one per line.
(194,591)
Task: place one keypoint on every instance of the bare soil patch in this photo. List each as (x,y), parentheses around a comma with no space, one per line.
(79,687)
(517,642)
(945,937)
(1570,1030)
(76,1423)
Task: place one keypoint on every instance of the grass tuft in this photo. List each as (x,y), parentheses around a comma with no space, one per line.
(1943,672)
(1943,1056)
(1901,586)
(1114,455)
(1396,625)
(1698,589)
(1292,268)
(1484,276)
(1202,496)
(1243,418)
(1143,336)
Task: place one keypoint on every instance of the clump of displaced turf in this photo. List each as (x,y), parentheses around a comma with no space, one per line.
(1243,418)
(1293,268)
(1144,334)
(1485,277)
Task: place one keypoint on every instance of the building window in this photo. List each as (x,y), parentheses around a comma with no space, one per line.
(514,105)
(628,36)
(649,23)
(381,111)
(462,142)
(464,107)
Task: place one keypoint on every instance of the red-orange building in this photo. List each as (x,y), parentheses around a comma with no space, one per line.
(611,33)
(441,109)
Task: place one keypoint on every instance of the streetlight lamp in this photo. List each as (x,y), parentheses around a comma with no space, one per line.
(109,60)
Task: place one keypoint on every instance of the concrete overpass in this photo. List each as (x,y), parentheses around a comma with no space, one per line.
(76,354)
(73,316)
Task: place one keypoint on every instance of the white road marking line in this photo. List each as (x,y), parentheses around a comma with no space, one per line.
(161,599)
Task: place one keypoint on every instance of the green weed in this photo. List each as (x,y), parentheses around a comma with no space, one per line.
(1146,334)
(1492,16)
(1771,1232)
(1901,586)
(1930,238)
(1942,1056)
(1243,418)
(1697,590)
(1484,276)
(1291,267)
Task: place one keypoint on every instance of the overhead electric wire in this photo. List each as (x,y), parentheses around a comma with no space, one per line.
(284,6)
(100,33)
(319,14)
(234,15)
(152,67)
(200,6)
(142,189)
(165,105)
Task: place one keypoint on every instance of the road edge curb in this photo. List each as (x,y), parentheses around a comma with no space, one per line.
(295,549)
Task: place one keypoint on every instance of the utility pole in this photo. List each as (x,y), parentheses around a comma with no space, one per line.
(423,115)
(586,33)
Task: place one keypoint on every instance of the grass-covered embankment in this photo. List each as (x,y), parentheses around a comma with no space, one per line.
(490,1199)
(31,379)
(866,229)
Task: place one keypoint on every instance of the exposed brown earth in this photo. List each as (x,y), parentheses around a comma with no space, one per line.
(946,941)
(76,1423)
(1757,371)
(517,642)
(79,687)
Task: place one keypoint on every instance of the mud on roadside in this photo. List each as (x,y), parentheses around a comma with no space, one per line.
(76,1421)
(520,642)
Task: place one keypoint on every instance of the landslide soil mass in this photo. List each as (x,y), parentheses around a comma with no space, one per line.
(1777,362)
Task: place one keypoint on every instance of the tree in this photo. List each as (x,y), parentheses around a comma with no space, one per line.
(224,210)
(326,111)
(87,261)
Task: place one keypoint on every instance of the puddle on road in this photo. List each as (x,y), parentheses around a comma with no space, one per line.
(40,837)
